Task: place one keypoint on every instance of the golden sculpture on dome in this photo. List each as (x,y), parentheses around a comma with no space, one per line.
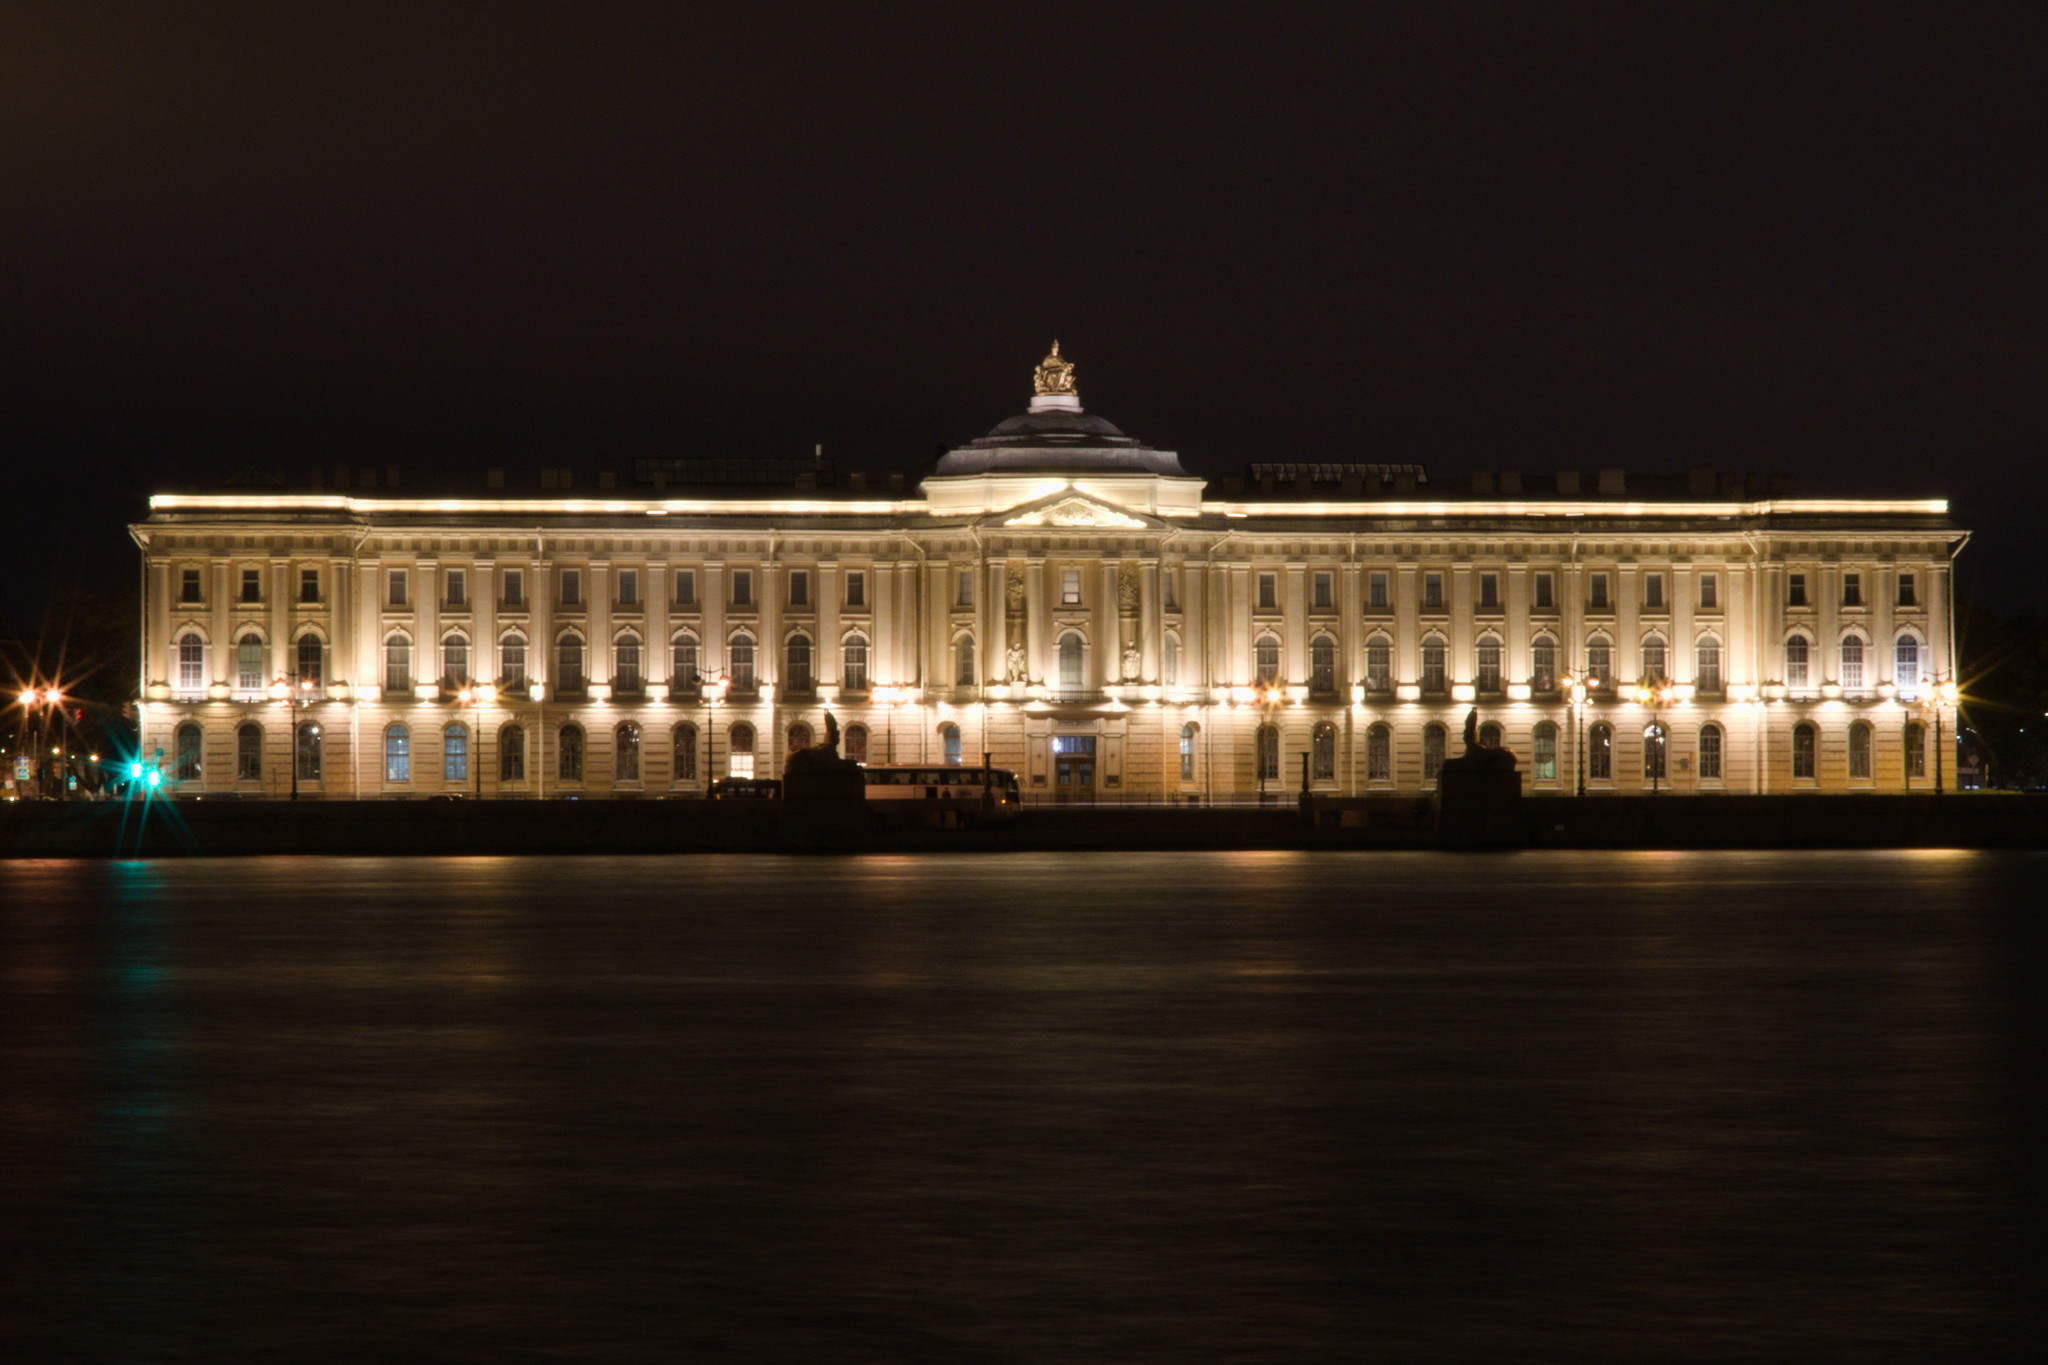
(1053,375)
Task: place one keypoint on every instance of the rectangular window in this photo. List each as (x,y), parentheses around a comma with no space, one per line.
(252,585)
(1376,590)
(1795,590)
(1852,589)
(458,588)
(1489,592)
(1546,590)
(1710,753)
(856,588)
(1432,592)
(572,587)
(1269,592)
(188,587)
(309,585)
(743,587)
(686,588)
(1710,592)
(629,587)
(1906,595)
(398,595)
(1596,592)
(515,587)
(1653,592)
(1325,597)
(1070,587)
(963,588)
(1169,586)
(799,587)
(1546,753)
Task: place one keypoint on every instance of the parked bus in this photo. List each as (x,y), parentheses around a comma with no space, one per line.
(974,795)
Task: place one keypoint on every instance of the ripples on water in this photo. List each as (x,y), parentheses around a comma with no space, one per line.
(1043,1107)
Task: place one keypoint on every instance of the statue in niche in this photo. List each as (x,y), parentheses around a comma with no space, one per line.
(1053,374)
(1019,670)
(1132,663)
(1127,589)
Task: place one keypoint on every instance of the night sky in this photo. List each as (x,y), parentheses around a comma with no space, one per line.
(1798,239)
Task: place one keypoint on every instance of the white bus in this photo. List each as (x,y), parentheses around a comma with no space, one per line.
(974,795)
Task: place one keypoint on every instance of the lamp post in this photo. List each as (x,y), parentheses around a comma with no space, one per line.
(476,696)
(1655,694)
(35,703)
(1931,700)
(296,693)
(1575,691)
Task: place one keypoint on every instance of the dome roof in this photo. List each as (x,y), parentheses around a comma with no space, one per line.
(1056,436)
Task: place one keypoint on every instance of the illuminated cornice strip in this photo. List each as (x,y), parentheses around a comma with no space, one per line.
(540,507)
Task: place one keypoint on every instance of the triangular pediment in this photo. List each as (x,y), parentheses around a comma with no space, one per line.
(1070,509)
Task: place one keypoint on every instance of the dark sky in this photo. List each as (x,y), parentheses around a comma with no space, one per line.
(1795,238)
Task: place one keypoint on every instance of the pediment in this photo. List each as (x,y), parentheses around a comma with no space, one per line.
(1071,510)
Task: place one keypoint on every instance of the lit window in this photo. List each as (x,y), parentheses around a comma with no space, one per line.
(512,660)
(1653,658)
(191,662)
(309,653)
(398,664)
(1543,664)
(1599,662)
(1852,662)
(455,754)
(740,758)
(309,753)
(1797,669)
(1546,751)
(1802,750)
(1600,752)
(1906,670)
(1653,751)
(1070,587)
(249,663)
(963,661)
(1187,753)
(188,747)
(454,661)
(397,754)
(949,738)
(1266,661)
(1379,664)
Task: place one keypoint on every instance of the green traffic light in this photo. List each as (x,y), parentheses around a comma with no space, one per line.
(156,779)
(134,770)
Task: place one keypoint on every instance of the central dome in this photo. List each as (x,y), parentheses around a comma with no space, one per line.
(1056,437)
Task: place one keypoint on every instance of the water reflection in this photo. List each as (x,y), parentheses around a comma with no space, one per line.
(1032,1107)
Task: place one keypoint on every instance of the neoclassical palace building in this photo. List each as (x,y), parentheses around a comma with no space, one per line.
(1056,595)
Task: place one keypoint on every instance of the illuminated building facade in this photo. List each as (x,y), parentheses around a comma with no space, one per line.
(1059,596)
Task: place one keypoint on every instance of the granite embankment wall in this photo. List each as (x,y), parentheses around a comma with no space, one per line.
(1975,820)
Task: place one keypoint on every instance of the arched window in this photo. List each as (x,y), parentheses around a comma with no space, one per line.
(1653,751)
(1322,665)
(1169,661)
(626,665)
(188,747)
(1802,750)
(191,662)
(741,762)
(1599,662)
(1267,746)
(309,659)
(1488,655)
(455,753)
(249,663)
(1916,749)
(1187,752)
(1379,754)
(963,661)
(512,661)
(397,663)
(1490,735)
(1546,751)
(1906,666)
(1543,664)
(1706,662)
(682,665)
(1859,749)
(796,670)
(1433,679)
(1379,664)
(1266,660)
(569,664)
(1322,750)
(1798,673)
(799,737)
(1653,659)
(1852,662)
(512,754)
(685,740)
(949,738)
(397,754)
(249,753)
(740,656)
(1432,751)
(1710,753)
(309,753)
(454,660)
(626,747)
(853,742)
(1600,752)
(853,670)
(1071,654)
(569,753)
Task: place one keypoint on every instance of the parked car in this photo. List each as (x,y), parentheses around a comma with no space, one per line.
(746,789)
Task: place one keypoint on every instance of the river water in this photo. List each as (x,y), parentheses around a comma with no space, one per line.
(1031,1107)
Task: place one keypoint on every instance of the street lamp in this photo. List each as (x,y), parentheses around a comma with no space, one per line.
(296,693)
(1656,695)
(1930,700)
(45,701)
(1575,692)
(476,696)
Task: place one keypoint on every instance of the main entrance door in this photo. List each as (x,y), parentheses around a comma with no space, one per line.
(1073,769)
